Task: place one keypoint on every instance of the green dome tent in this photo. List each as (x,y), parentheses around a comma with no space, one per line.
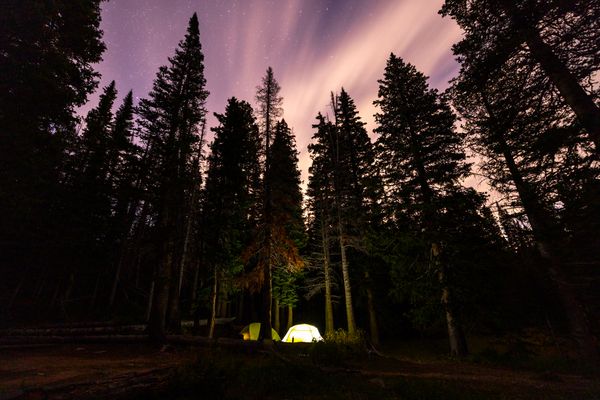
(302,333)
(250,332)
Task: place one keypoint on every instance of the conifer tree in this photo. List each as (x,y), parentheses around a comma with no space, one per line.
(92,191)
(46,72)
(288,235)
(171,119)
(124,167)
(359,191)
(422,162)
(320,206)
(232,194)
(269,110)
(343,194)
(524,134)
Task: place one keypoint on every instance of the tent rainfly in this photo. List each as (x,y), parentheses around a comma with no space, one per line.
(250,332)
(302,333)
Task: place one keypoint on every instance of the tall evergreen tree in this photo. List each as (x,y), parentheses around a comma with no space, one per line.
(232,194)
(269,110)
(92,191)
(344,194)
(320,203)
(358,193)
(124,164)
(46,71)
(529,143)
(288,226)
(171,119)
(422,162)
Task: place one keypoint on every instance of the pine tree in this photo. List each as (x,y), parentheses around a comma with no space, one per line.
(124,165)
(46,72)
(288,226)
(232,194)
(422,162)
(344,194)
(91,191)
(269,110)
(527,141)
(320,202)
(359,192)
(171,119)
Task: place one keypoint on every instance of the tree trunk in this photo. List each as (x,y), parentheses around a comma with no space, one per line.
(222,308)
(113,291)
(150,300)
(456,336)
(583,105)
(458,343)
(265,326)
(241,305)
(16,292)
(213,304)
(162,286)
(175,297)
(95,293)
(276,315)
(40,286)
(347,288)
(329,327)
(541,226)
(373,328)
(195,283)
(290,317)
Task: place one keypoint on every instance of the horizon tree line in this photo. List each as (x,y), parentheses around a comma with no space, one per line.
(124,215)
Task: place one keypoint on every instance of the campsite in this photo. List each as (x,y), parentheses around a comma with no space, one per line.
(299,199)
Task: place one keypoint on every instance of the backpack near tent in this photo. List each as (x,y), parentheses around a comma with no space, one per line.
(251,331)
(302,333)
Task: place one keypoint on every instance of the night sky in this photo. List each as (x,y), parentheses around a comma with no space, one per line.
(314,47)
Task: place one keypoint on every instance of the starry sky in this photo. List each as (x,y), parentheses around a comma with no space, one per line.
(313,46)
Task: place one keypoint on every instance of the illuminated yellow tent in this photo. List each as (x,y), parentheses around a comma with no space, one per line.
(302,333)
(250,332)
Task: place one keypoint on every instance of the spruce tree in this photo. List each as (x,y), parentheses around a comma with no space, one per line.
(320,204)
(269,110)
(124,166)
(422,162)
(171,119)
(46,72)
(359,190)
(529,143)
(232,194)
(91,191)
(288,235)
(343,194)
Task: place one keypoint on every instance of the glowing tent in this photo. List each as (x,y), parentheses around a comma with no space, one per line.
(250,332)
(302,333)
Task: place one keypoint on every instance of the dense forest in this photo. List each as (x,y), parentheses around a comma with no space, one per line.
(141,212)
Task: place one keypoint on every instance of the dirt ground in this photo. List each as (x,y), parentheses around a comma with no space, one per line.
(54,367)
(87,371)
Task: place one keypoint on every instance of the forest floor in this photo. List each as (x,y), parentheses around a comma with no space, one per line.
(141,371)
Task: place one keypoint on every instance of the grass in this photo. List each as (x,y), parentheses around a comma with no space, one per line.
(229,376)
(330,371)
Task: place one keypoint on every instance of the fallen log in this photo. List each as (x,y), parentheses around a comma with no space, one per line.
(99,330)
(94,329)
(34,340)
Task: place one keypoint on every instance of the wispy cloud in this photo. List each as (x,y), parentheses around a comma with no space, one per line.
(314,46)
